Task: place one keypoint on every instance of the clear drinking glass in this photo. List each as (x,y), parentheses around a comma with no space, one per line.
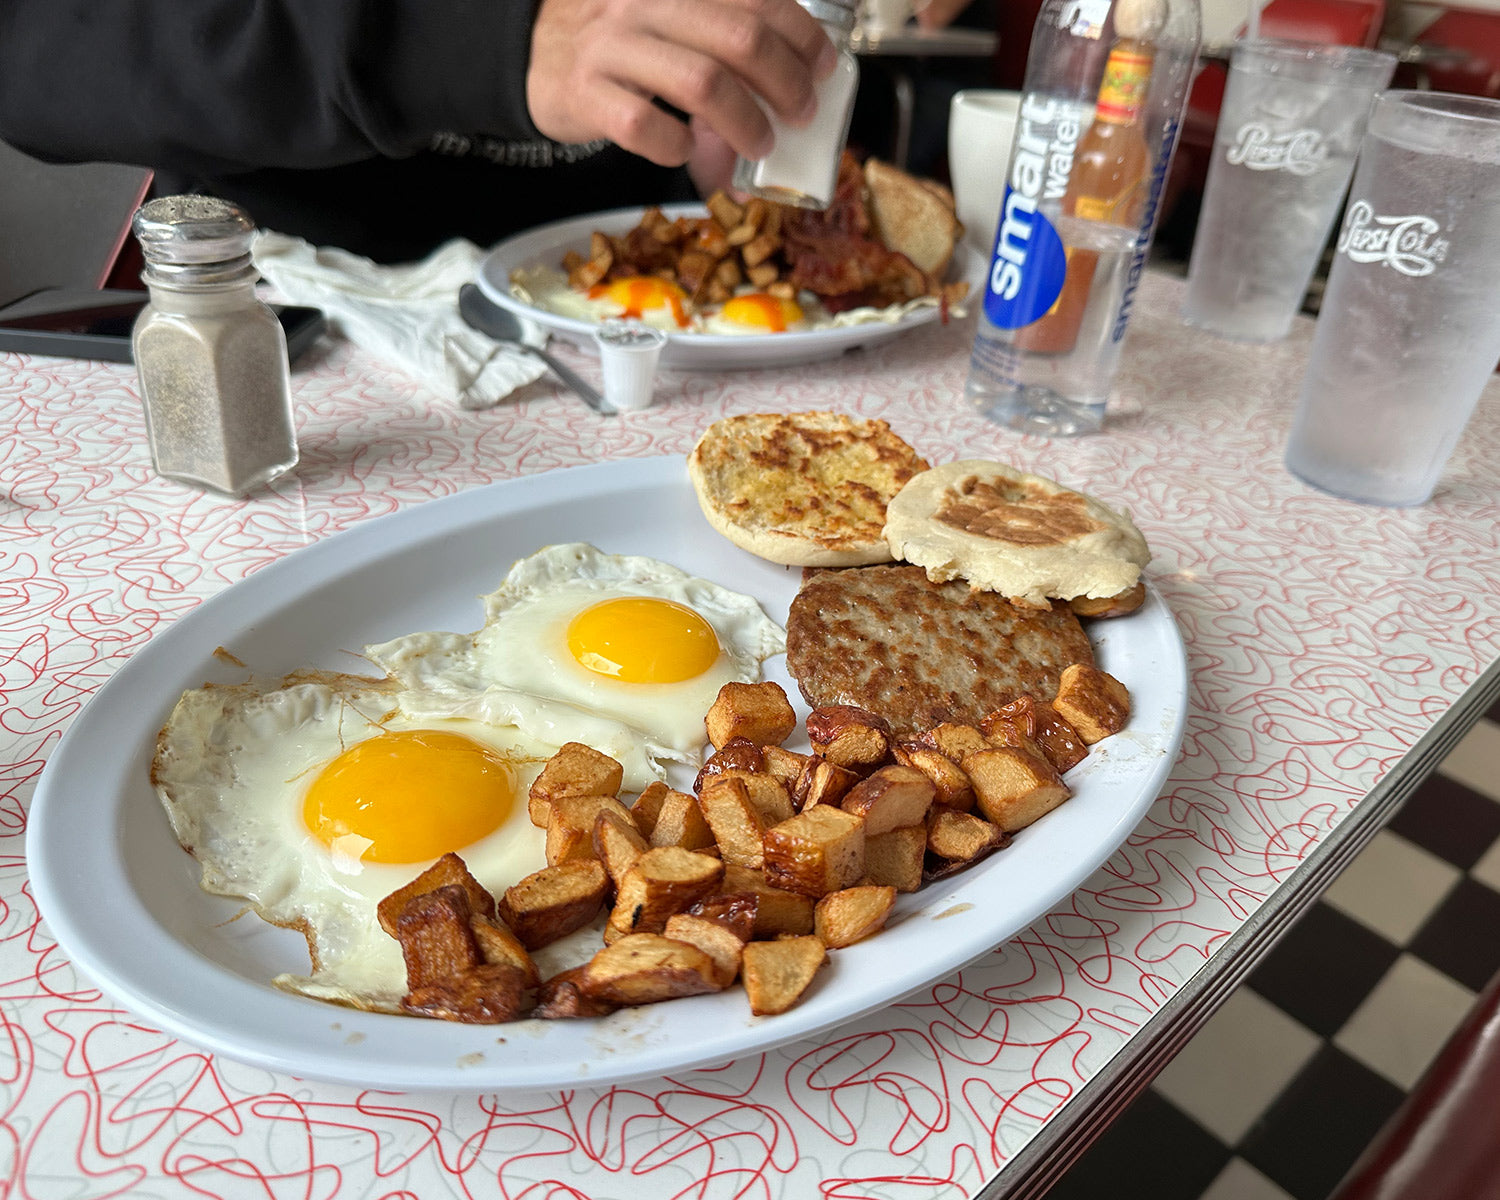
(1289,130)
(1409,330)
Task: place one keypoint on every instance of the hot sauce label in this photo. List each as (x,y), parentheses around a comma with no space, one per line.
(1127,76)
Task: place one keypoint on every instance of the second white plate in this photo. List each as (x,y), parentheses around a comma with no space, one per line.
(546,245)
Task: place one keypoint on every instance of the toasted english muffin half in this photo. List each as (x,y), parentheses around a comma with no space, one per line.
(804,489)
(1021,535)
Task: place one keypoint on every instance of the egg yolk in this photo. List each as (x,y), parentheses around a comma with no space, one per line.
(637,294)
(641,639)
(411,796)
(761,311)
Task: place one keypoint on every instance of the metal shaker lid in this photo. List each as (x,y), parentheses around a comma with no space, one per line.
(192,229)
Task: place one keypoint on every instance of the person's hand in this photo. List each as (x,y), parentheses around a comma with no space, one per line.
(937,14)
(597,64)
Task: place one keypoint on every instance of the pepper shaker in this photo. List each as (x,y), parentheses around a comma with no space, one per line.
(211,357)
(803,165)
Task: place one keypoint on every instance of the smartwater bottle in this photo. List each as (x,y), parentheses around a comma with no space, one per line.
(1106,85)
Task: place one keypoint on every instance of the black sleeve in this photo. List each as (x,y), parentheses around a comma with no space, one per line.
(220,86)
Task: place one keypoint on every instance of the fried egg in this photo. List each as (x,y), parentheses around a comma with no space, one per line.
(659,303)
(573,634)
(315,797)
(756,313)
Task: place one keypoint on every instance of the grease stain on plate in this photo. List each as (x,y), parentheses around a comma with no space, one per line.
(953,911)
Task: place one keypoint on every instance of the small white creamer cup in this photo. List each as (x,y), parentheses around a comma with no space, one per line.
(628,352)
(981,127)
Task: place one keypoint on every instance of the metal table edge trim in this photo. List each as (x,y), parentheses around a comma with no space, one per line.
(1043,1160)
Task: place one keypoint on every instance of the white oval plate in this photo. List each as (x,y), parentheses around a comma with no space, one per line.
(123,899)
(546,245)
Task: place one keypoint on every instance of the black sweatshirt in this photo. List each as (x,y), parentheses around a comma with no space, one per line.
(381,126)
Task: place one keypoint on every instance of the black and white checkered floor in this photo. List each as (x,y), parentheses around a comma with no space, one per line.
(1280,1092)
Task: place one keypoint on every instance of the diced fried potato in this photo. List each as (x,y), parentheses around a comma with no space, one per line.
(782,289)
(763,274)
(553,902)
(785,764)
(777,911)
(955,741)
(497,944)
(617,843)
(1095,703)
(820,850)
(848,736)
(562,998)
(716,291)
(892,798)
(736,754)
(740,234)
(736,822)
(575,770)
(694,269)
(724,210)
(1013,787)
(895,858)
(450,869)
(759,712)
(570,826)
(487,994)
(713,242)
(758,212)
(950,785)
(1036,722)
(647,807)
(963,837)
(714,939)
(435,937)
(571,260)
(642,968)
(665,880)
(777,973)
(728,274)
(681,823)
(733,910)
(760,248)
(767,793)
(1121,604)
(823,782)
(844,917)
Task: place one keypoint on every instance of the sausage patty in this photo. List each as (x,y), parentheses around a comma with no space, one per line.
(919,653)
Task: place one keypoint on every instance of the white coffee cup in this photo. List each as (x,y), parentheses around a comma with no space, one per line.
(981,127)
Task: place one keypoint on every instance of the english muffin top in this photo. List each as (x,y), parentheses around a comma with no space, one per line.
(1021,535)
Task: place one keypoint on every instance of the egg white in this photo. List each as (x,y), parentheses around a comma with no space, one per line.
(233,766)
(518,667)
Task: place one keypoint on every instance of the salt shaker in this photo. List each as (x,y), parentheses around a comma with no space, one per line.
(212,358)
(803,166)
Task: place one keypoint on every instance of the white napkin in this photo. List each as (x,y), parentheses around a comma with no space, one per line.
(404,315)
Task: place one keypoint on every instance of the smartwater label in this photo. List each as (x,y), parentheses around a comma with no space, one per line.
(1027,267)
(1028,263)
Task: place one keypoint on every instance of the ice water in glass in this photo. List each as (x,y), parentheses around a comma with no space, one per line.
(1289,130)
(1409,331)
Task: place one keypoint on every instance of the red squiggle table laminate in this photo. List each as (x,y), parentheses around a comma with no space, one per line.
(1334,649)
